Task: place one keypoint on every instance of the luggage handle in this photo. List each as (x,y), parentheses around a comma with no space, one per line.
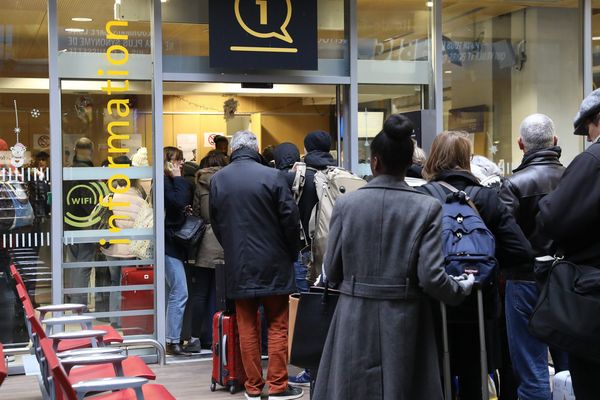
(485,394)
(224,351)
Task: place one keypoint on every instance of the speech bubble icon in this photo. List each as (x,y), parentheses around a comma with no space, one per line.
(282,35)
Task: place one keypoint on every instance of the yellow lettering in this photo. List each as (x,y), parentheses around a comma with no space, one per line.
(111,163)
(122,107)
(109,88)
(114,241)
(111,35)
(120,190)
(110,204)
(114,47)
(113,72)
(111,225)
(112,136)
(263,11)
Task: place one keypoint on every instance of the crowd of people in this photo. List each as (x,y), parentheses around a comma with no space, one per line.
(384,255)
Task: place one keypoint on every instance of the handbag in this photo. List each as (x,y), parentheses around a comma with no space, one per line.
(190,233)
(313,317)
(566,315)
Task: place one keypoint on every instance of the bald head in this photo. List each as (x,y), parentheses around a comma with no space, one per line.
(537,132)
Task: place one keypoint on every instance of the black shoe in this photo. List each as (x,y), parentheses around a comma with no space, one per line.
(175,349)
(289,394)
(193,346)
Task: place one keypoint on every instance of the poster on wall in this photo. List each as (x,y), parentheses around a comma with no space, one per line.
(209,138)
(188,143)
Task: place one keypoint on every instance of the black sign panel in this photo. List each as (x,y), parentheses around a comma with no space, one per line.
(263,34)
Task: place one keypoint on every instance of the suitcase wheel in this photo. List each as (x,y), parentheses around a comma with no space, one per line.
(213,387)
(232,389)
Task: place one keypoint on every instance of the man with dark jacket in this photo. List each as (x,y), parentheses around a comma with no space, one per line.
(255,218)
(571,217)
(539,174)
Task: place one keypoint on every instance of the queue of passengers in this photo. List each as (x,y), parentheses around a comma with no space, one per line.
(383,344)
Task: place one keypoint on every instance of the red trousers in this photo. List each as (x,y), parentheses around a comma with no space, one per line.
(276,312)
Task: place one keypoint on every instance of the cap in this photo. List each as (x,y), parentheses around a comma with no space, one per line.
(590,106)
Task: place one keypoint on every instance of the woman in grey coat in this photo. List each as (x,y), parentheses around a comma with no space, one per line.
(384,251)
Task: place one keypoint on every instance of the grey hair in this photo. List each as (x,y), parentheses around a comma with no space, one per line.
(482,167)
(419,156)
(537,132)
(245,139)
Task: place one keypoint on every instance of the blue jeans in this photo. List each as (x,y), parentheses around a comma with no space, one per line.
(177,295)
(528,354)
(301,271)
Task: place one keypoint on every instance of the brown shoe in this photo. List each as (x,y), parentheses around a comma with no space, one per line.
(175,349)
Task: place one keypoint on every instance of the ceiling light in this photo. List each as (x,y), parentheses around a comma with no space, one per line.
(429,4)
(74,30)
(596,38)
(447,72)
(163,1)
(81,19)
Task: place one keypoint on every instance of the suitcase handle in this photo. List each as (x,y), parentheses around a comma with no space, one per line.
(224,351)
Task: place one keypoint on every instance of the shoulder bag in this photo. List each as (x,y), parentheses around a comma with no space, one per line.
(567,313)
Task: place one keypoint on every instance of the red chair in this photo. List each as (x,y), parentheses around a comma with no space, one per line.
(3,367)
(111,336)
(121,388)
(113,365)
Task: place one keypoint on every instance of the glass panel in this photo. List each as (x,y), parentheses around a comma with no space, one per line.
(375,104)
(186,38)
(107,143)
(502,61)
(393,41)
(24,163)
(596,42)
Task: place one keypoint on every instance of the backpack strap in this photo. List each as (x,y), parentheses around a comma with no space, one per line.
(472,193)
(435,189)
(299,180)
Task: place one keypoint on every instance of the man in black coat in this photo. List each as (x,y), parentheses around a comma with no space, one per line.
(571,217)
(539,174)
(255,218)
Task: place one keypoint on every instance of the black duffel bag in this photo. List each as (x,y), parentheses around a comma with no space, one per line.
(567,315)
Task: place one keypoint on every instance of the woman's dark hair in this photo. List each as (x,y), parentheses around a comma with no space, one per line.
(171,154)
(214,158)
(393,146)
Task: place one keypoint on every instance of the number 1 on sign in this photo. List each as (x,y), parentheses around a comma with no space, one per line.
(263,11)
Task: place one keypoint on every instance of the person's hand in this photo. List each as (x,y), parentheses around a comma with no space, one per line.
(465,282)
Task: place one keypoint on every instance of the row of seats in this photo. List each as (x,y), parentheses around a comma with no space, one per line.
(99,368)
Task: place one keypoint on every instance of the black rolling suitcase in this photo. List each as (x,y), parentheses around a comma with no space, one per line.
(482,349)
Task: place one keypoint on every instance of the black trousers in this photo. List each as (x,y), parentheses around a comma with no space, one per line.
(585,375)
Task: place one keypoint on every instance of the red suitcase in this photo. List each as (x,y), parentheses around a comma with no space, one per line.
(228,369)
(137,300)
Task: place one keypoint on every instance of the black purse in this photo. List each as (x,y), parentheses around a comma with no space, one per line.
(314,315)
(190,233)
(567,313)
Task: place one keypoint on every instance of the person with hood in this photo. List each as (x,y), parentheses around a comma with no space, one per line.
(317,146)
(201,275)
(384,252)
(571,217)
(285,156)
(255,219)
(539,174)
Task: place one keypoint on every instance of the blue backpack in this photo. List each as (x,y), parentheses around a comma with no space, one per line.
(468,245)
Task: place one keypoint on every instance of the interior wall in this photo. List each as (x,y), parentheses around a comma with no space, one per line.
(549,82)
(282,119)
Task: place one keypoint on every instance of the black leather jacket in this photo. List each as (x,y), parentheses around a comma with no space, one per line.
(539,174)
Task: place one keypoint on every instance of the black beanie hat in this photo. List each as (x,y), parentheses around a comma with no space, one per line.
(317,140)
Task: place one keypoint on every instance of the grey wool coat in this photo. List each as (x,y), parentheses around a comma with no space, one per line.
(384,251)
